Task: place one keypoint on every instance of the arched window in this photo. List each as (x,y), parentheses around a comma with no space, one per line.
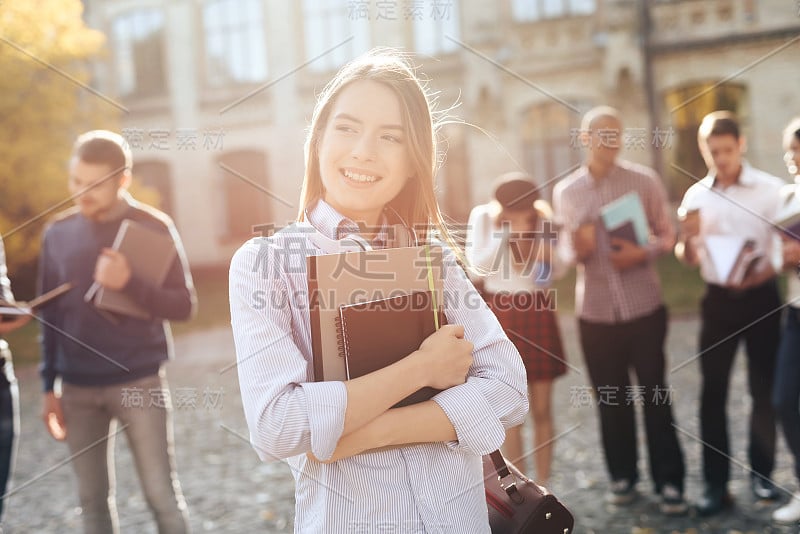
(156,175)
(687,105)
(549,147)
(246,191)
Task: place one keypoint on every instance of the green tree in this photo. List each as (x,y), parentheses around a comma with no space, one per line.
(46,100)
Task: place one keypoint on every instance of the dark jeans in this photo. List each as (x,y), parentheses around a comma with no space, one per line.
(611,351)
(9,420)
(728,317)
(786,393)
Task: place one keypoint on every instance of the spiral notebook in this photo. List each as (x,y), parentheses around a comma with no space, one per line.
(346,278)
(372,335)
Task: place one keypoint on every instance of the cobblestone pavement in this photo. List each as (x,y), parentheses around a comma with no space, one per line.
(229,490)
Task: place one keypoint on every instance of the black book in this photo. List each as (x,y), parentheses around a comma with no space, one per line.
(624,231)
(372,335)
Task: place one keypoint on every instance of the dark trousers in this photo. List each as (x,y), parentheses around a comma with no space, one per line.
(786,395)
(9,420)
(611,352)
(727,318)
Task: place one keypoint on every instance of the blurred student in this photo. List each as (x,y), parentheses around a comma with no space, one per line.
(786,392)
(9,392)
(622,317)
(733,200)
(511,243)
(103,363)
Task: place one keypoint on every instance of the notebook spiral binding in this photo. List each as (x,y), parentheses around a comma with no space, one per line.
(340,338)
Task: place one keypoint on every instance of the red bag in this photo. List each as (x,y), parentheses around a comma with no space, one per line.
(518,505)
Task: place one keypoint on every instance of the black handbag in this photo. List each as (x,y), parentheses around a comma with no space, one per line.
(518,505)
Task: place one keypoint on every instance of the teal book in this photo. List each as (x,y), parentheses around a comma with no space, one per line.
(623,213)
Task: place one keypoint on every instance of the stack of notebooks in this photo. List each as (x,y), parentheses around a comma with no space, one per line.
(733,257)
(370,309)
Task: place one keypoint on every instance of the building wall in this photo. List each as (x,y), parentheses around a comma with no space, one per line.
(502,74)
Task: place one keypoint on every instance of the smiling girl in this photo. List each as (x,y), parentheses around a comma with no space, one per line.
(358,464)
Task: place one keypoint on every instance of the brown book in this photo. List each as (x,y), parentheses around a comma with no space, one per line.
(150,254)
(375,334)
(26,308)
(354,277)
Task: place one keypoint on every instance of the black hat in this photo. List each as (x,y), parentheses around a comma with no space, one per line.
(515,191)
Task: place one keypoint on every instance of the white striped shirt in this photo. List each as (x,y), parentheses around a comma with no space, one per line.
(433,487)
(602,293)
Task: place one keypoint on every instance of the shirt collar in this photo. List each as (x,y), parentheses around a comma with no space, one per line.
(745,179)
(334,225)
(593,181)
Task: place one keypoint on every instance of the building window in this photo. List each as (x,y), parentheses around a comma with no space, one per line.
(138,38)
(235,44)
(688,105)
(549,146)
(328,23)
(247,200)
(532,10)
(433,25)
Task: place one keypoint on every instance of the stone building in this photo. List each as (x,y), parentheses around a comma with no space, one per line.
(218,93)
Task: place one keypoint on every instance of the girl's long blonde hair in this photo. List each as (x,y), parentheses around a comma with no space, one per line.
(416,203)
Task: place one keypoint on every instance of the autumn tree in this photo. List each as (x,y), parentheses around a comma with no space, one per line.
(46,100)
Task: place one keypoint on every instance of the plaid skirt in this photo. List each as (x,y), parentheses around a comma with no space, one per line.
(532,326)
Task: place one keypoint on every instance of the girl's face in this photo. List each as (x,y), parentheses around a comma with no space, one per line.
(363,153)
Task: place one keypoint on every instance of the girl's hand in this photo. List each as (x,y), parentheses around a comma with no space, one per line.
(446,357)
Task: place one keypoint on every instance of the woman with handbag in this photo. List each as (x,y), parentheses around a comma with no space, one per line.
(511,240)
(358,464)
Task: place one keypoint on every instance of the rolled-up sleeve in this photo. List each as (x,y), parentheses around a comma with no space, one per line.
(494,397)
(286,413)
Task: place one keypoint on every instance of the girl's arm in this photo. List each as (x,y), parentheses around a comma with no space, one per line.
(287,414)
(424,422)
(472,416)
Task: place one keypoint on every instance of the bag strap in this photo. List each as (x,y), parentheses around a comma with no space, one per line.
(507,480)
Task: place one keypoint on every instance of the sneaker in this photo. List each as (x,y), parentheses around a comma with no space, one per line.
(714,500)
(788,513)
(763,488)
(672,502)
(621,492)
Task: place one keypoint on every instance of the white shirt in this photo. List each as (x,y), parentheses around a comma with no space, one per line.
(432,487)
(790,201)
(487,249)
(745,208)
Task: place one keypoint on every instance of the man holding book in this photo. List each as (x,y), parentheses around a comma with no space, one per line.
(9,393)
(622,318)
(786,394)
(105,357)
(726,225)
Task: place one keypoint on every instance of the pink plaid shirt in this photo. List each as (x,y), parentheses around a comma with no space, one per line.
(603,294)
